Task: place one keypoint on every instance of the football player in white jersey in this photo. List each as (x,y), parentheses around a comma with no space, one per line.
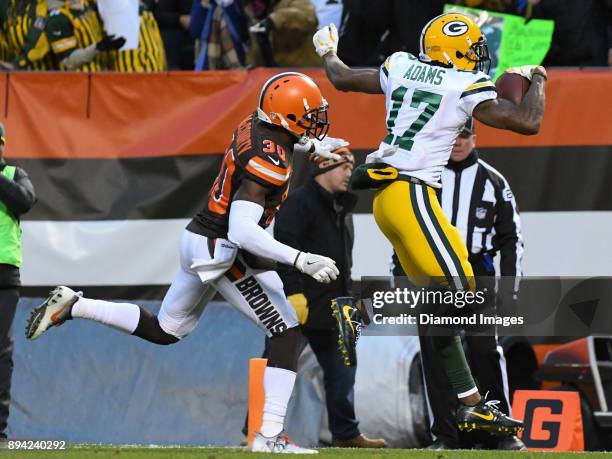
(429,98)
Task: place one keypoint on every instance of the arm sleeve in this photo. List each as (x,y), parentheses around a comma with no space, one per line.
(289,228)
(18,194)
(36,45)
(508,233)
(248,235)
(480,90)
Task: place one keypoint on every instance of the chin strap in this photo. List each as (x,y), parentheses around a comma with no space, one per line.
(262,116)
(265,118)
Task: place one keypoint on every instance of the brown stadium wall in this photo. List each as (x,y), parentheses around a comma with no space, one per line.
(120,161)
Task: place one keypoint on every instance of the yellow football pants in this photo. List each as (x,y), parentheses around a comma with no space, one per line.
(430,249)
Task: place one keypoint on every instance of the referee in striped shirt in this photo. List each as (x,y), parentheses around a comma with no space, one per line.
(478,200)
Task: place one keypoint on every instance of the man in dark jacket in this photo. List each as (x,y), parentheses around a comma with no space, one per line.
(582,36)
(315,218)
(16,198)
(173,18)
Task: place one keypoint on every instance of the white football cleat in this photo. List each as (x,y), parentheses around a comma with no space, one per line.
(53,312)
(280,444)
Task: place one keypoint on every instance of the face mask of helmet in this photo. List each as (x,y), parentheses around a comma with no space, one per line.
(479,52)
(315,122)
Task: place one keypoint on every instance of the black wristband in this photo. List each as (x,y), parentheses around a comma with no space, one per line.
(296,259)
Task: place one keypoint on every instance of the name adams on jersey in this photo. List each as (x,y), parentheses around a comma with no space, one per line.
(260,152)
(427,106)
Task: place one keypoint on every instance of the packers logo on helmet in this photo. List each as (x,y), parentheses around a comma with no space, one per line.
(455,40)
(455,28)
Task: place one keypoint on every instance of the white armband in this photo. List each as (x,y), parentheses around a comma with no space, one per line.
(245,232)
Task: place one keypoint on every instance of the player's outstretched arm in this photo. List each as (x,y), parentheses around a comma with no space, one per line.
(524,118)
(342,76)
(345,78)
(246,211)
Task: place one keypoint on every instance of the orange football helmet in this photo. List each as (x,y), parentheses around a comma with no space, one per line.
(293,101)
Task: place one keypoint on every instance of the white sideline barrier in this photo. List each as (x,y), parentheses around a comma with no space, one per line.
(145,252)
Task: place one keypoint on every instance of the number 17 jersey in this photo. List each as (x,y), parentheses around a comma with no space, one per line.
(427,106)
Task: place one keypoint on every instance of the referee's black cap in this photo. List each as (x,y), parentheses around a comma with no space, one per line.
(468,128)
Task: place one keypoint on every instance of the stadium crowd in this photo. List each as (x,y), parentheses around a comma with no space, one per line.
(155,35)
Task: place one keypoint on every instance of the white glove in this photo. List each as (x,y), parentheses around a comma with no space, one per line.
(257,28)
(304,145)
(527,71)
(324,148)
(332,143)
(326,40)
(263,26)
(322,269)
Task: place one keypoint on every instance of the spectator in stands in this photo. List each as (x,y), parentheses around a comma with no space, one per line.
(500,6)
(143,50)
(408,17)
(221,27)
(24,45)
(583,31)
(290,26)
(16,198)
(260,48)
(329,12)
(371,31)
(173,18)
(76,36)
(364,25)
(4,49)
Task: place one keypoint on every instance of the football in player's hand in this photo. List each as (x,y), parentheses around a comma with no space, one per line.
(512,87)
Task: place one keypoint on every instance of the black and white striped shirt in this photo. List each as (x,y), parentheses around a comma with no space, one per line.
(477,199)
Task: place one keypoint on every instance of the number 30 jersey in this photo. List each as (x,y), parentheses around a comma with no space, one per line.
(260,152)
(427,106)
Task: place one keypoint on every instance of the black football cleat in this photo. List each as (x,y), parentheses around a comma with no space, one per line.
(351,317)
(486,417)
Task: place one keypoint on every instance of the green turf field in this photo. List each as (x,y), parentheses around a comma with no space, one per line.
(98,452)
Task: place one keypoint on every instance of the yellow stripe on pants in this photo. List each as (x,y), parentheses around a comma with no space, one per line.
(427,245)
